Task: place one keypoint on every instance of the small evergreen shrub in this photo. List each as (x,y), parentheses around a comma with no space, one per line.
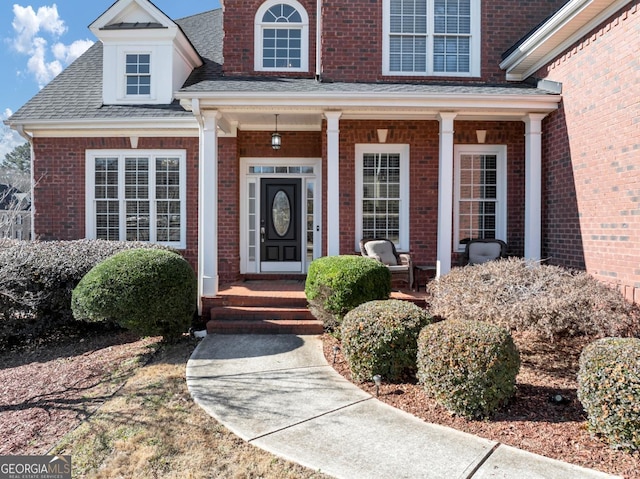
(38,278)
(525,296)
(381,337)
(151,292)
(609,390)
(469,367)
(337,284)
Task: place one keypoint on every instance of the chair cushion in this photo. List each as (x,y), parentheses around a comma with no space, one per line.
(482,252)
(383,250)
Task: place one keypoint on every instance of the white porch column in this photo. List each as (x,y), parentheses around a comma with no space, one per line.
(445,194)
(333,182)
(208,205)
(533,186)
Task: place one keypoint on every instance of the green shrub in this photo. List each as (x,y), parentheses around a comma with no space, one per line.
(469,367)
(380,337)
(337,284)
(609,390)
(38,278)
(524,296)
(149,292)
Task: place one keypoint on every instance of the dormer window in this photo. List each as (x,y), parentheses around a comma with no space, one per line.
(431,37)
(138,73)
(281,37)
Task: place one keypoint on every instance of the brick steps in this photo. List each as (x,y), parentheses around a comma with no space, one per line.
(261,308)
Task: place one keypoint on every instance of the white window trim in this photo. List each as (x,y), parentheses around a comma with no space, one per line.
(475,44)
(501,193)
(403,150)
(122,75)
(90,213)
(247,266)
(304,35)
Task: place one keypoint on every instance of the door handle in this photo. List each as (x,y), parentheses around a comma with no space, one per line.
(262,234)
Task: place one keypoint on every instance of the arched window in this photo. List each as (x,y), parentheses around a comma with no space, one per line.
(281,37)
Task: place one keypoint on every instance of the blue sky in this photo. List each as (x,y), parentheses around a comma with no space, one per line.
(40,39)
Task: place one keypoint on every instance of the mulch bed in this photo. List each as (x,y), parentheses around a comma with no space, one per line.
(532,421)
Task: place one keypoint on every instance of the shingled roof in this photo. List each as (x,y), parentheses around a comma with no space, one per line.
(76,93)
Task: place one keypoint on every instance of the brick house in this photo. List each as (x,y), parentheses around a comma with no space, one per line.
(264,134)
(15,215)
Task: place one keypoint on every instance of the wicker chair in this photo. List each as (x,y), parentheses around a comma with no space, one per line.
(384,250)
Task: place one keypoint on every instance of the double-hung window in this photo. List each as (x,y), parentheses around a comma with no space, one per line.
(138,74)
(431,37)
(137,196)
(382,193)
(480,209)
(281,37)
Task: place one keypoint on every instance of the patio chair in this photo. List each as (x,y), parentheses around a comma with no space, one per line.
(383,250)
(478,251)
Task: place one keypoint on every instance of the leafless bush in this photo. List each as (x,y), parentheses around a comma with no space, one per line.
(521,295)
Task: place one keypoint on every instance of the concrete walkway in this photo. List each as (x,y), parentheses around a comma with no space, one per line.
(278,393)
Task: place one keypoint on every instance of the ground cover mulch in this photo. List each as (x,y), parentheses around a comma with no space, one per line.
(533,421)
(50,385)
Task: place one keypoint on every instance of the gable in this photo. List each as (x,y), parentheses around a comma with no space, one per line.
(132,12)
(141,46)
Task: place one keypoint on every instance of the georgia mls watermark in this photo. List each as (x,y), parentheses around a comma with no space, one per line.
(35,467)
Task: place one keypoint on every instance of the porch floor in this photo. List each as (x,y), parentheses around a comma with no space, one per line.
(294,289)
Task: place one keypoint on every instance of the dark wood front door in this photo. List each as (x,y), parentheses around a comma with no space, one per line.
(280,232)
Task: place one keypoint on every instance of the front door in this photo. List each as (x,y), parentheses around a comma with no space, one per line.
(280,228)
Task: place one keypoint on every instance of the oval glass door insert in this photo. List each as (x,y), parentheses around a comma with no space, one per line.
(281,212)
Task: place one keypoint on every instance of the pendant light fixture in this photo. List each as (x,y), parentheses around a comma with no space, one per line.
(276,139)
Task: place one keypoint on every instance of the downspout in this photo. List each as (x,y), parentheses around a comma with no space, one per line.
(32,209)
(318,40)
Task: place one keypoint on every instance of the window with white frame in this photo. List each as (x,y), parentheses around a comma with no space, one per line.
(137,196)
(382,193)
(138,74)
(431,37)
(281,36)
(480,187)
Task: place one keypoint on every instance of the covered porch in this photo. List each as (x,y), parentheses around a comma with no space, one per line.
(431,125)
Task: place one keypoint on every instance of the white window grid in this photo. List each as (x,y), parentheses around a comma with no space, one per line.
(137,197)
(281,36)
(138,74)
(480,208)
(431,37)
(382,193)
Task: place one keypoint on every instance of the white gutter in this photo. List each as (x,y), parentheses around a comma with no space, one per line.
(551,36)
(365,102)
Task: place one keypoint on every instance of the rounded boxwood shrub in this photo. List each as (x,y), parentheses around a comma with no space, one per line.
(151,292)
(38,278)
(380,337)
(469,367)
(337,284)
(609,390)
(526,296)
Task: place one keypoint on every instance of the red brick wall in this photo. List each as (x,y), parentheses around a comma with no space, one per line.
(591,150)
(352,37)
(59,194)
(239,21)
(423,138)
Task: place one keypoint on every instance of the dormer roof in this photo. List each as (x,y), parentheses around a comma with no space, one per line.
(140,15)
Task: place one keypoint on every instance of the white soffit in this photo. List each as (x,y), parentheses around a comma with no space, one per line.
(574,20)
